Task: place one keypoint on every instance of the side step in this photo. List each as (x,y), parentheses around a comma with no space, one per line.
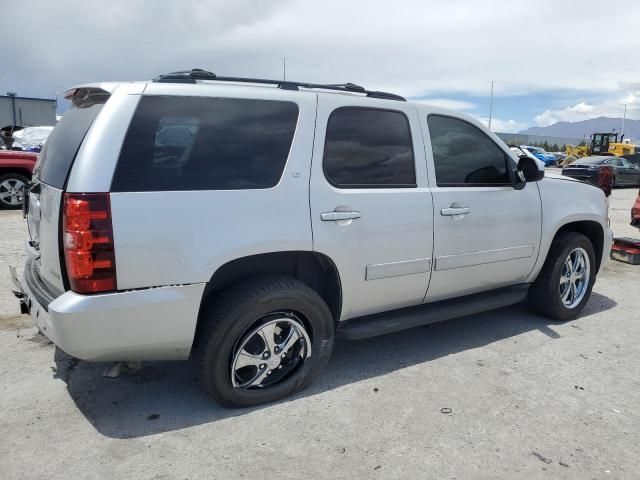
(410,317)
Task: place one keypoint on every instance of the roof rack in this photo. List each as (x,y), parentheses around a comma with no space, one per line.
(191,76)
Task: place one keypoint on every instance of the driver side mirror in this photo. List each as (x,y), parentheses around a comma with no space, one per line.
(526,171)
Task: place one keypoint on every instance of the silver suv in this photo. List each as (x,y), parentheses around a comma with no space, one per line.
(244,223)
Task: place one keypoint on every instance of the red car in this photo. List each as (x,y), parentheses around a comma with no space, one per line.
(635,212)
(15,174)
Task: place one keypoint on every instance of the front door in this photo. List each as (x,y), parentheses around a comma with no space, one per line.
(371,209)
(486,233)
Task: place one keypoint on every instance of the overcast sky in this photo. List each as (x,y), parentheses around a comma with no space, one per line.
(551,60)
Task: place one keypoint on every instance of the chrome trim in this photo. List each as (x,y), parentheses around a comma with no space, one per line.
(337,216)
(397,269)
(447,212)
(447,262)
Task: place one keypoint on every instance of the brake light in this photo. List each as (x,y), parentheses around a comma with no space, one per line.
(88,242)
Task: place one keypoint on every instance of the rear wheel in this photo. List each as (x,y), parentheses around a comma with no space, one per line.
(12,188)
(262,340)
(564,285)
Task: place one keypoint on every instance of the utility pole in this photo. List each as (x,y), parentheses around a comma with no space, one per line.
(284,68)
(624,117)
(491,105)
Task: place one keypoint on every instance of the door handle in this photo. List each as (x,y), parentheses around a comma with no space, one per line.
(451,211)
(336,216)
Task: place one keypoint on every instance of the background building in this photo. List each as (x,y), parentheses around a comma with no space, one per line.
(26,112)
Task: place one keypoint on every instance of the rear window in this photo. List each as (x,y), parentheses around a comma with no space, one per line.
(195,143)
(62,145)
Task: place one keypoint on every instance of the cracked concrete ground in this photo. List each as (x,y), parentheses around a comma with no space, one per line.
(502,394)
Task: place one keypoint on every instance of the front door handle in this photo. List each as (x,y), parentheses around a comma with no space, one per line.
(451,211)
(336,216)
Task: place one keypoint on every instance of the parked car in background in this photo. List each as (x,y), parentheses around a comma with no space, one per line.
(560,156)
(523,152)
(541,154)
(587,169)
(633,158)
(15,173)
(31,139)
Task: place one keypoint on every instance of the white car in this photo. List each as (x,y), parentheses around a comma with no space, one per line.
(245,223)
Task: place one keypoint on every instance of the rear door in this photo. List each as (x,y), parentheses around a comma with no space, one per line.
(486,233)
(371,209)
(49,179)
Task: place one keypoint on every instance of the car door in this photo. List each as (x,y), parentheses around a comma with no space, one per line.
(628,173)
(371,208)
(486,233)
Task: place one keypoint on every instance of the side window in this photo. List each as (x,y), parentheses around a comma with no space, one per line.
(616,162)
(464,155)
(369,148)
(196,143)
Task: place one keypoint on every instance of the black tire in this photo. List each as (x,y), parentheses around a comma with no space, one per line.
(544,294)
(11,177)
(231,314)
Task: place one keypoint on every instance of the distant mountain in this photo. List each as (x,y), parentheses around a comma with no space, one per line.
(587,127)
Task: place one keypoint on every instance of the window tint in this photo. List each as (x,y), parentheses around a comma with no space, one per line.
(368,148)
(62,145)
(193,143)
(463,154)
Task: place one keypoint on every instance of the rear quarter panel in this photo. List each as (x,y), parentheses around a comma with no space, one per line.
(182,237)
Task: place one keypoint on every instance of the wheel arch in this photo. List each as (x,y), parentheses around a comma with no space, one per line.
(25,172)
(314,269)
(591,229)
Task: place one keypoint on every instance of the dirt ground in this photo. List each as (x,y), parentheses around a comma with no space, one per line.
(502,394)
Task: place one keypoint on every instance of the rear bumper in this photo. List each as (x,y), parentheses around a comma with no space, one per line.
(149,324)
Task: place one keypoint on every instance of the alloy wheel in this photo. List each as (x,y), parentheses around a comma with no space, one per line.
(574,279)
(12,191)
(270,351)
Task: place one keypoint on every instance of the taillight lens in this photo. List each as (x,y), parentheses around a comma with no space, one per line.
(88,242)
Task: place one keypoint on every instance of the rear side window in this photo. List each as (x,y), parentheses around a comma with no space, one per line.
(369,148)
(464,155)
(62,145)
(195,143)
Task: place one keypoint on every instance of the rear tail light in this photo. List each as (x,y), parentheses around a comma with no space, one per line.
(88,242)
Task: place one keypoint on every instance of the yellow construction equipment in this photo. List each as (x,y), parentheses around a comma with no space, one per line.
(601,144)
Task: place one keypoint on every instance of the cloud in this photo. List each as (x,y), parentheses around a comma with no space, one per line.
(504,126)
(412,49)
(448,103)
(610,107)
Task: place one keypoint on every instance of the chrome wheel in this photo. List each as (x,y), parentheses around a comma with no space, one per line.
(12,192)
(574,278)
(270,352)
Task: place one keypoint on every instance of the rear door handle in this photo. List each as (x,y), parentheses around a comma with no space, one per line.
(451,211)
(336,216)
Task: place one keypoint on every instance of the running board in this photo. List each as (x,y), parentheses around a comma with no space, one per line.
(410,317)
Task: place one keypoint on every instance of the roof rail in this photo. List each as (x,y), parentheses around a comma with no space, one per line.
(191,76)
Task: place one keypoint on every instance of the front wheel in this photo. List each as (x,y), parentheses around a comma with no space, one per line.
(564,285)
(262,340)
